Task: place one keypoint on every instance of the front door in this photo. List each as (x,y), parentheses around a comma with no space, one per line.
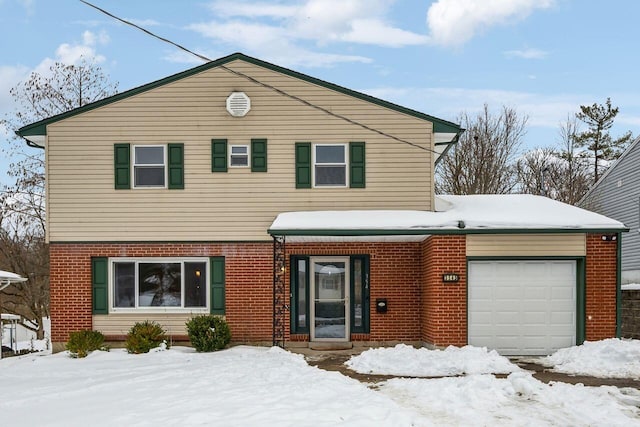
(330,299)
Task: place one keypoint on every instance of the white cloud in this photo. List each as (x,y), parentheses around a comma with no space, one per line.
(289,25)
(529,53)
(68,53)
(454,22)
(272,43)
(144,22)
(182,57)
(372,31)
(254,10)
(543,110)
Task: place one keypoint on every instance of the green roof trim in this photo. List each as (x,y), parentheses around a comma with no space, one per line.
(439,231)
(40,127)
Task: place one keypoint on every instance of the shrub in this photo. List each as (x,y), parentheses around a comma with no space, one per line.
(208,333)
(143,336)
(82,342)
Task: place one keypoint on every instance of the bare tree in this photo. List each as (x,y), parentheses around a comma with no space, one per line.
(534,169)
(23,247)
(482,162)
(563,173)
(575,174)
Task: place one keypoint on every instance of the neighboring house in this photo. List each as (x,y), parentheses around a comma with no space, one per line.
(304,212)
(617,195)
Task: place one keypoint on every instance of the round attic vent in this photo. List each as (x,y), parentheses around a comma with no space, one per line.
(238,104)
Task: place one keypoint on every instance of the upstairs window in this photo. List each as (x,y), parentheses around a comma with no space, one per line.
(154,166)
(239,156)
(330,165)
(149,166)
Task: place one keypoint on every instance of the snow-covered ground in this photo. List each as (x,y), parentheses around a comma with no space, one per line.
(611,358)
(247,386)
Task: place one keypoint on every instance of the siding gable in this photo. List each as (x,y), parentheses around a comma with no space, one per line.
(235,204)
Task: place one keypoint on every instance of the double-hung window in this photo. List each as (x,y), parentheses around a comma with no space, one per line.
(160,283)
(149,163)
(148,166)
(323,165)
(239,156)
(330,165)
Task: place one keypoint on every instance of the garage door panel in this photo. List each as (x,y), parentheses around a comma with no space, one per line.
(562,293)
(483,293)
(534,317)
(522,307)
(508,292)
(562,268)
(561,318)
(508,316)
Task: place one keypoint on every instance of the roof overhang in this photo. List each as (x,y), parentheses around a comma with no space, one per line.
(479,214)
(7,278)
(442,142)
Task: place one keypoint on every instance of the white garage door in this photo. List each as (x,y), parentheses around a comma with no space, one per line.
(522,307)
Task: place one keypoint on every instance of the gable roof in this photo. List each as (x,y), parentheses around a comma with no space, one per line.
(603,178)
(40,128)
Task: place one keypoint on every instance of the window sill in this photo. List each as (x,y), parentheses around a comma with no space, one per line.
(159,310)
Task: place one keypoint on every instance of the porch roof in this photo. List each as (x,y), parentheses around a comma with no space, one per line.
(511,213)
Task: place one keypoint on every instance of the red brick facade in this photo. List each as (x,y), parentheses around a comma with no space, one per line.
(421,307)
(601,294)
(444,305)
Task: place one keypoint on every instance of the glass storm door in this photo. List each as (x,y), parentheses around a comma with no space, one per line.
(330,299)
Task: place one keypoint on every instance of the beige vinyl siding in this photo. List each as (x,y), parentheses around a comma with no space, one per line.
(236,205)
(526,245)
(120,323)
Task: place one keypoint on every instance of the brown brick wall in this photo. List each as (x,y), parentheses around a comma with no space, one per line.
(248,296)
(444,305)
(420,306)
(394,274)
(601,265)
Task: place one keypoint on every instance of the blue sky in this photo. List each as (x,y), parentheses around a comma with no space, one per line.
(542,57)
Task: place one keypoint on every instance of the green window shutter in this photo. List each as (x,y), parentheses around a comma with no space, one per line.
(303,165)
(258,155)
(122,166)
(176,166)
(217,285)
(356,165)
(99,285)
(218,155)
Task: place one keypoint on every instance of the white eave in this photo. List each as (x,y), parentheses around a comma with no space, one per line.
(36,139)
(7,278)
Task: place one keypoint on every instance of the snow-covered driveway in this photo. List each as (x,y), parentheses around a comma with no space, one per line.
(250,386)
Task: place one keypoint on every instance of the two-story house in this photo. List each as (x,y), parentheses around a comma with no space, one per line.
(305,213)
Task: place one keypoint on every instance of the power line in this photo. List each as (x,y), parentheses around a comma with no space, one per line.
(265,85)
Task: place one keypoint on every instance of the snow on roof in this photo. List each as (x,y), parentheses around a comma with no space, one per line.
(476,212)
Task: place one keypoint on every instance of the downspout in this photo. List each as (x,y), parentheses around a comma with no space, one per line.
(618,285)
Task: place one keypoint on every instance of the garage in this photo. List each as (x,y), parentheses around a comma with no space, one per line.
(524,307)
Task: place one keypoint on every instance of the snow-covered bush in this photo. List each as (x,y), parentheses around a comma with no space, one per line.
(143,336)
(82,342)
(208,333)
